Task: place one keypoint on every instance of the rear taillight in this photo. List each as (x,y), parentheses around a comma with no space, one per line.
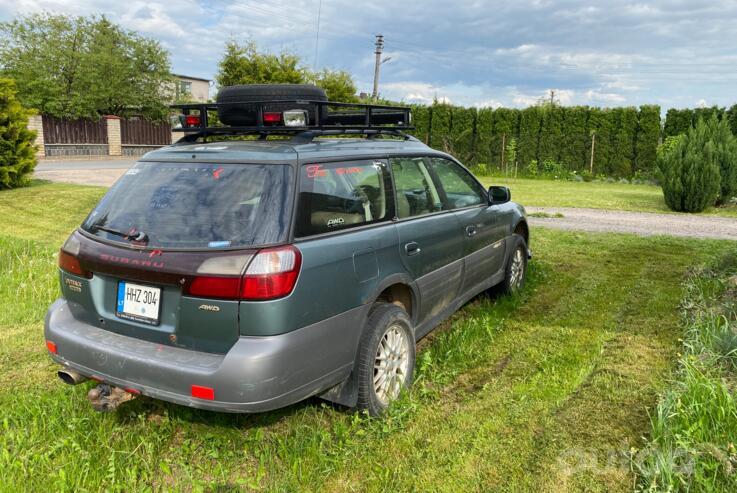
(271,273)
(215,287)
(69,263)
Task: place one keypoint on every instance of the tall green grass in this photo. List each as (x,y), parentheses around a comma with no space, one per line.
(694,428)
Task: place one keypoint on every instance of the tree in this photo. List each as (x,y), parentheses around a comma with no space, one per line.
(725,155)
(245,64)
(691,177)
(647,137)
(338,85)
(677,121)
(83,67)
(17,152)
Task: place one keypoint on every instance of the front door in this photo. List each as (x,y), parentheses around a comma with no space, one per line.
(430,246)
(480,224)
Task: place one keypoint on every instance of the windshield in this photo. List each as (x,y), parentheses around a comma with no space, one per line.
(190,205)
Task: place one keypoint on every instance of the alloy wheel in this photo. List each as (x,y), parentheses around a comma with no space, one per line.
(391,364)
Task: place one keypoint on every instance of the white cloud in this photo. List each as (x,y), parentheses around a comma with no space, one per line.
(471,53)
(604,98)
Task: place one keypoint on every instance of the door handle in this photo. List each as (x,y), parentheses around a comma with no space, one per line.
(471,230)
(412,248)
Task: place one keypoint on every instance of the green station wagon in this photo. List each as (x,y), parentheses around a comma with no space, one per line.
(270,256)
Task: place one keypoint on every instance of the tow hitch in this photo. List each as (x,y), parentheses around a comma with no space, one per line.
(106,398)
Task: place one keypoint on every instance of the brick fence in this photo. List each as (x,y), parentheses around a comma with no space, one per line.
(109,136)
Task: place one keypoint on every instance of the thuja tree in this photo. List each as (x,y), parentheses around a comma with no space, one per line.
(691,177)
(17,152)
(725,155)
(647,137)
(484,129)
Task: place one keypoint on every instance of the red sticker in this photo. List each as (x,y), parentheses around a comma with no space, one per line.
(315,170)
(216,173)
(348,171)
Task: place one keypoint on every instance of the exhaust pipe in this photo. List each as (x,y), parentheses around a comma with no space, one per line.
(106,398)
(71,377)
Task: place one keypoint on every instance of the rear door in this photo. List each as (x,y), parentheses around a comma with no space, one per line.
(481,227)
(429,240)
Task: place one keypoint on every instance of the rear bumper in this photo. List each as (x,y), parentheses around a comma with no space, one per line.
(256,374)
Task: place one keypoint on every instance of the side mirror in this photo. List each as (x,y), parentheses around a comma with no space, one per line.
(499,195)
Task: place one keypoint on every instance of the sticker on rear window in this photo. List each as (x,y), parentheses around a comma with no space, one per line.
(219,244)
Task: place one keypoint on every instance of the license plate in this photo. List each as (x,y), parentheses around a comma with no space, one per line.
(138,302)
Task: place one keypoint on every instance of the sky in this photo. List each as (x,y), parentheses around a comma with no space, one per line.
(675,53)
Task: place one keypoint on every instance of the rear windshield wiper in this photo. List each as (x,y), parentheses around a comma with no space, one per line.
(132,235)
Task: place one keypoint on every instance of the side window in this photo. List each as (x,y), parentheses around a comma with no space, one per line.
(336,196)
(460,187)
(415,191)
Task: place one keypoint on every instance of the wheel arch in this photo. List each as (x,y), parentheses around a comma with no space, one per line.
(522,229)
(400,290)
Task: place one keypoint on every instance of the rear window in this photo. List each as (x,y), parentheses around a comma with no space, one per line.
(194,206)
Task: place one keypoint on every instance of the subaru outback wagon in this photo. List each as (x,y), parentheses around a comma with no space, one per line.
(244,274)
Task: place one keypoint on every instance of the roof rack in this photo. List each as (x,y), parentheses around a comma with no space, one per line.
(308,120)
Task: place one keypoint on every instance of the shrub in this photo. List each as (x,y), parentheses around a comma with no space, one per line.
(553,168)
(17,151)
(725,154)
(532,168)
(691,178)
(482,169)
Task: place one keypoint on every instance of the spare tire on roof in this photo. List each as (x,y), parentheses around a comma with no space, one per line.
(236,111)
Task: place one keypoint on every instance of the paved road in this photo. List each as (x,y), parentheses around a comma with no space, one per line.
(105,172)
(101,172)
(640,223)
(85,164)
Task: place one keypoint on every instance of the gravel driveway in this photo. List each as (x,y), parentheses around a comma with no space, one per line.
(640,223)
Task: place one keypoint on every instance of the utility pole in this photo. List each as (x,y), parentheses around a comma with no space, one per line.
(504,138)
(379,50)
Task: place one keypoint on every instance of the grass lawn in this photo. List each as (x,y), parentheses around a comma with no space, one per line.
(595,195)
(543,392)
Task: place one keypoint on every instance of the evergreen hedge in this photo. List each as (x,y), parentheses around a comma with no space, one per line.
(678,121)
(626,138)
(17,150)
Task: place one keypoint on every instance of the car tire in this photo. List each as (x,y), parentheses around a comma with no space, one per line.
(386,358)
(234,109)
(515,272)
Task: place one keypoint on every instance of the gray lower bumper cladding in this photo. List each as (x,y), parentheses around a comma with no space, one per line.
(256,374)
